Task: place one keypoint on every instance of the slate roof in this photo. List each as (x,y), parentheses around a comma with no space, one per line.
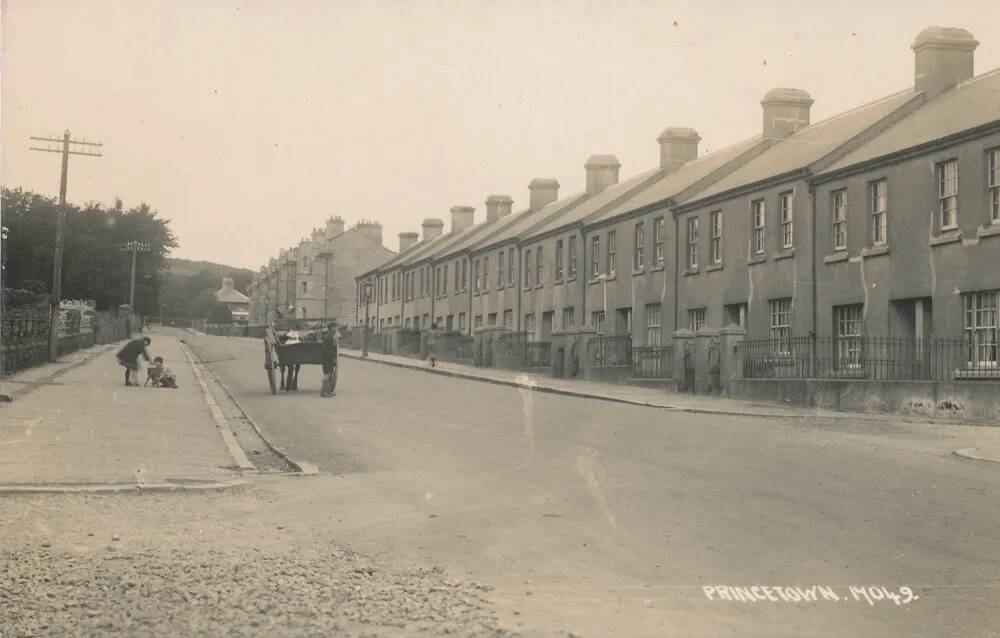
(671,184)
(808,145)
(598,201)
(230,295)
(972,103)
(525,223)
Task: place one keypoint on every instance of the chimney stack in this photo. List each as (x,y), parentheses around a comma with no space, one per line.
(461,217)
(498,206)
(602,171)
(785,111)
(334,227)
(407,241)
(543,191)
(370,229)
(943,57)
(432,227)
(678,146)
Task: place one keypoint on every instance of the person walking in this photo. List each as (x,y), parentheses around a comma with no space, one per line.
(432,345)
(330,338)
(129,355)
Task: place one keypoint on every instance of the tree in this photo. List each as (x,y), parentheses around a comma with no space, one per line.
(94,267)
(220,313)
(202,304)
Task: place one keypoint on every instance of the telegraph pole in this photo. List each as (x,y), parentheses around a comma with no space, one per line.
(66,151)
(134,247)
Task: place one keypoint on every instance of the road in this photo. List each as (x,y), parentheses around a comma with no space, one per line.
(609,520)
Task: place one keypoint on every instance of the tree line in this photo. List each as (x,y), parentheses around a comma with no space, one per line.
(94,265)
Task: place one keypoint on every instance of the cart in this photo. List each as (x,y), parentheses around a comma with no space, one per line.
(309,351)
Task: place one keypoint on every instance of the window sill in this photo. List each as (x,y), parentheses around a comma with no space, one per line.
(657,268)
(757,259)
(713,267)
(571,279)
(875,251)
(784,254)
(992,230)
(539,286)
(691,271)
(947,237)
(638,271)
(840,255)
(558,282)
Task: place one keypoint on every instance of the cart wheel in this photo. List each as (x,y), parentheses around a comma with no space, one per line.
(269,366)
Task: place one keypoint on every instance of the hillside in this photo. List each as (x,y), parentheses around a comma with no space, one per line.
(189,268)
(188,286)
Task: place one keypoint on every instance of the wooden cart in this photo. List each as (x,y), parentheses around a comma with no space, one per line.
(278,354)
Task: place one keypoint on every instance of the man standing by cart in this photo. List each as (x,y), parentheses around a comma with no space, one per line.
(330,338)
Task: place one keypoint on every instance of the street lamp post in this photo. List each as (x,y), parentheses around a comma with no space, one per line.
(326,256)
(368,299)
(134,247)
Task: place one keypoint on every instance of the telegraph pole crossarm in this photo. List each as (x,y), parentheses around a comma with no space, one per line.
(66,148)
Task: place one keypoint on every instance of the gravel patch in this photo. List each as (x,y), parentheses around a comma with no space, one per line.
(119,591)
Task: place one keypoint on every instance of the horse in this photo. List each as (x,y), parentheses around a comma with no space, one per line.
(289,372)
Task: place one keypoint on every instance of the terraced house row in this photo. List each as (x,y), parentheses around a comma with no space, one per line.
(865,245)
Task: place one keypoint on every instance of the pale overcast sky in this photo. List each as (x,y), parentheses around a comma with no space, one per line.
(248,123)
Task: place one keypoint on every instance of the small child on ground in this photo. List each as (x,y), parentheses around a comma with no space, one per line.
(160,375)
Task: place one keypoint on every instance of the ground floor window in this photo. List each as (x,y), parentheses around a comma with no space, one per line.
(450,323)
(781,325)
(492,319)
(568,317)
(981,328)
(597,321)
(697,319)
(529,326)
(848,322)
(736,315)
(653,324)
(508,319)
(408,325)
(478,321)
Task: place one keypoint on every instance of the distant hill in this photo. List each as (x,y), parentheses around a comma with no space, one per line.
(188,286)
(188,268)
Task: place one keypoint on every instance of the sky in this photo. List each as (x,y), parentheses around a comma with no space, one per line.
(248,123)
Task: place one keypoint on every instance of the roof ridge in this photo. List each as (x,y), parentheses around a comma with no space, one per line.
(978,78)
(852,111)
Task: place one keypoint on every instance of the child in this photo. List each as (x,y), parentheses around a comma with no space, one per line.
(160,375)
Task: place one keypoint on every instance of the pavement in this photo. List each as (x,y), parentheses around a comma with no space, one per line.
(603,518)
(637,395)
(74,425)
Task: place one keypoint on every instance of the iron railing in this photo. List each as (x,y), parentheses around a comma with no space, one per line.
(538,354)
(652,362)
(512,344)
(610,351)
(873,358)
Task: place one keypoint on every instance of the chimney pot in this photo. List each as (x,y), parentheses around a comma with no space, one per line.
(785,111)
(943,58)
(543,190)
(407,241)
(432,227)
(461,217)
(498,206)
(678,145)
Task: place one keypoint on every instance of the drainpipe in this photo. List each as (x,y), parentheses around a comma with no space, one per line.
(677,266)
(812,267)
(469,257)
(517,286)
(583,280)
